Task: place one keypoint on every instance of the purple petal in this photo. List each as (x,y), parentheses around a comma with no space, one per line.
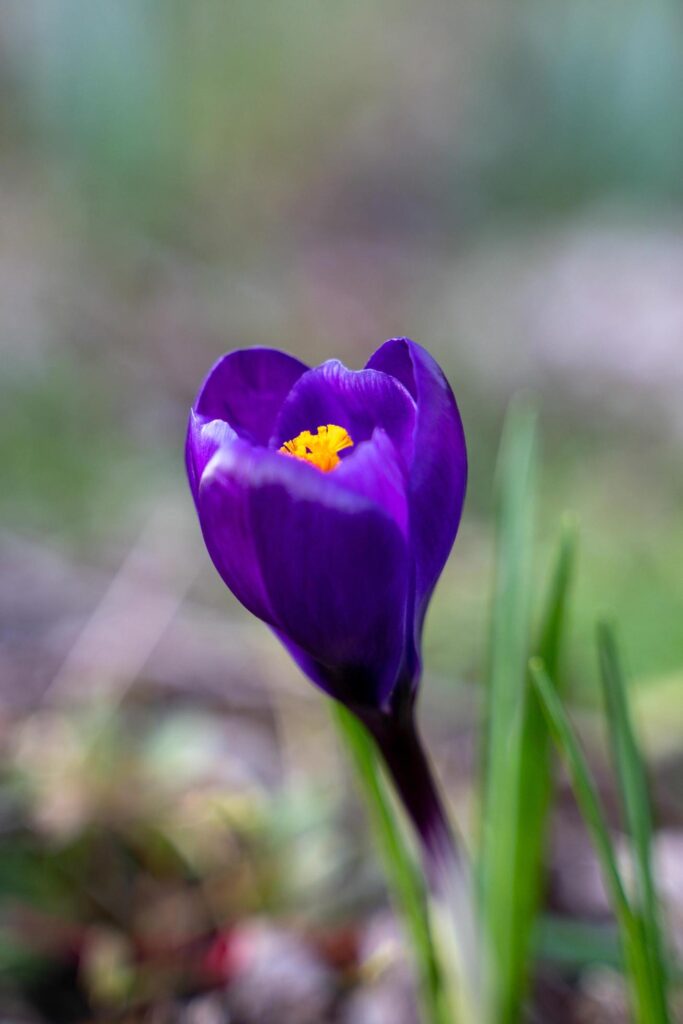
(374,469)
(358,400)
(438,474)
(322,564)
(357,686)
(204,438)
(224,515)
(246,388)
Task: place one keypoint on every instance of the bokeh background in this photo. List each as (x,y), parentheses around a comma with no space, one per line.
(179,836)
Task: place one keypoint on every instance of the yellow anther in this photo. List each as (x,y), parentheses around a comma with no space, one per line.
(320,448)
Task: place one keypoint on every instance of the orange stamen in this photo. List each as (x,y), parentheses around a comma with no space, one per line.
(320,448)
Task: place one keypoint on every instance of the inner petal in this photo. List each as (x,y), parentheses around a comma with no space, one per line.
(358,401)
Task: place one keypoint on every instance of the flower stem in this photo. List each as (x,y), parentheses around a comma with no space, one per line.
(407,763)
(404,880)
(445,866)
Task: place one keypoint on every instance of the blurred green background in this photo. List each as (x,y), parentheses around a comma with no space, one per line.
(502,183)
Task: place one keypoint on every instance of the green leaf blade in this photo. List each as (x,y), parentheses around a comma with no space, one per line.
(636,806)
(505,737)
(633,936)
(536,767)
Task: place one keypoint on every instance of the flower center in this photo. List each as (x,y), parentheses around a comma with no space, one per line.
(320,448)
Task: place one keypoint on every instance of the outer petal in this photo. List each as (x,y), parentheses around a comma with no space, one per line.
(358,400)
(438,474)
(224,515)
(204,438)
(323,565)
(246,388)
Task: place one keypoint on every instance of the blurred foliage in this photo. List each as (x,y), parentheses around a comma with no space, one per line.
(583,102)
(127,848)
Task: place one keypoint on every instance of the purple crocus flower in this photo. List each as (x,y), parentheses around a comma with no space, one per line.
(329,500)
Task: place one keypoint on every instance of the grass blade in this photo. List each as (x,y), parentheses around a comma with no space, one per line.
(536,775)
(632,934)
(504,740)
(554,618)
(636,807)
(402,875)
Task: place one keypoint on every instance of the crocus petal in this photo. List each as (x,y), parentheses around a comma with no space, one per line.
(246,389)
(358,400)
(204,438)
(438,473)
(375,470)
(224,515)
(322,564)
